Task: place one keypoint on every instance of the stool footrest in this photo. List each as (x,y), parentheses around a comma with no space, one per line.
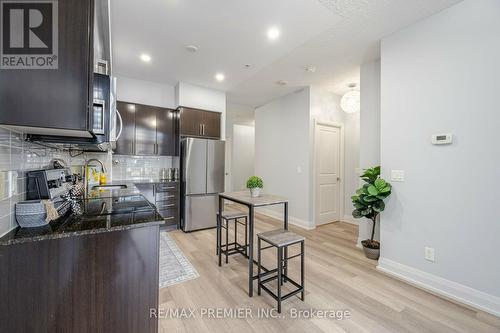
(290,294)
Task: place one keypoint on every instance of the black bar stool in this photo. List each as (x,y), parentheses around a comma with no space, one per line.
(235,247)
(280,239)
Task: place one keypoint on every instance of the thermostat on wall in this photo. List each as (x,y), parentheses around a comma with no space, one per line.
(442,139)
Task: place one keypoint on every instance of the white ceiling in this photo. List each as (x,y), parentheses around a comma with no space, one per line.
(335,36)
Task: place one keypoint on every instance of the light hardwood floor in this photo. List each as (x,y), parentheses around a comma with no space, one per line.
(338,277)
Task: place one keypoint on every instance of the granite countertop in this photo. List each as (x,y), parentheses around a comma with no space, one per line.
(103,211)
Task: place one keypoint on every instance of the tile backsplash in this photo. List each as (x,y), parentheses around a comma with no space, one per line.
(139,168)
(18,156)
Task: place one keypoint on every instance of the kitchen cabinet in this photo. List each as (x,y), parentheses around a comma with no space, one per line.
(99,282)
(166,132)
(147,130)
(55,98)
(199,123)
(190,123)
(211,124)
(165,196)
(125,145)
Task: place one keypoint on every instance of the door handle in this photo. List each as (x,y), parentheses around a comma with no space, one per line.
(119,116)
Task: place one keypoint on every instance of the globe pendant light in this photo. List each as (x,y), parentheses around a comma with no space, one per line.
(350,102)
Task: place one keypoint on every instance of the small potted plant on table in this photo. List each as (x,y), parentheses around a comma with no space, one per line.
(255,184)
(369,202)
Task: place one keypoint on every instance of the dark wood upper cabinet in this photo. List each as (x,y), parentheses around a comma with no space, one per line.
(145,130)
(199,123)
(55,98)
(166,132)
(126,142)
(191,120)
(211,124)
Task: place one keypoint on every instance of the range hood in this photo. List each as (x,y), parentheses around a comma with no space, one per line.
(102,117)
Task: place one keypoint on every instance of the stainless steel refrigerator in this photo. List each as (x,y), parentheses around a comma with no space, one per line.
(202,172)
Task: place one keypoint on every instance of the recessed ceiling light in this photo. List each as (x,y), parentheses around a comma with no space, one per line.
(192,48)
(145,57)
(219,77)
(282,82)
(273,33)
(310,69)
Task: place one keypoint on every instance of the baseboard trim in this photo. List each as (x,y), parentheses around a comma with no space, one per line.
(291,219)
(442,287)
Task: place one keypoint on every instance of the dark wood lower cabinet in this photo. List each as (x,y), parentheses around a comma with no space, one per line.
(105,282)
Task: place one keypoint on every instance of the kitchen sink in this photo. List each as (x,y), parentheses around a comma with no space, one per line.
(109,187)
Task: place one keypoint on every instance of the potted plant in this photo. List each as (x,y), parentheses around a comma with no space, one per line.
(255,183)
(369,202)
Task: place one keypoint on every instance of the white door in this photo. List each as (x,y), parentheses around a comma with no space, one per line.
(328,161)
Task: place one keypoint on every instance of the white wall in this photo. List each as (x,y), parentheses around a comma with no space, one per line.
(145,92)
(240,115)
(282,146)
(197,97)
(369,146)
(441,75)
(243,151)
(325,107)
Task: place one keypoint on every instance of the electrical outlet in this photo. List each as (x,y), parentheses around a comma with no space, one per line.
(430,254)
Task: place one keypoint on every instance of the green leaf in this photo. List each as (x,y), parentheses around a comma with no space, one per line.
(370,198)
(386,189)
(379,183)
(356,214)
(372,190)
(357,205)
(379,206)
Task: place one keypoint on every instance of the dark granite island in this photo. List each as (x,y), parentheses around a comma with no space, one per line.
(95,272)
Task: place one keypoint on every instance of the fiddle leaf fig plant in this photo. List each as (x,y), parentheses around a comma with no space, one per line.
(369,200)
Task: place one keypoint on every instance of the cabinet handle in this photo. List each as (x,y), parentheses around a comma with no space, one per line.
(169,218)
(168,188)
(203,129)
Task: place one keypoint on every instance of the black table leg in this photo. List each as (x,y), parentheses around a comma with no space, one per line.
(285,221)
(250,250)
(219,231)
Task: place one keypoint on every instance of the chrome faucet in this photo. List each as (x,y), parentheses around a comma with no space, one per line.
(87,163)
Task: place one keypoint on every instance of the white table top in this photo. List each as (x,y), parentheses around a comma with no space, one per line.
(245,198)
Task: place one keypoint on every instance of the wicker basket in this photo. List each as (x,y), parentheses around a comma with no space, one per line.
(31,214)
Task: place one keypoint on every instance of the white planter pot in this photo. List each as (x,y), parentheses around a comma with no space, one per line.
(255,192)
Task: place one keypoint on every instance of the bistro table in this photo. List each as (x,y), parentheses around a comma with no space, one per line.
(244,198)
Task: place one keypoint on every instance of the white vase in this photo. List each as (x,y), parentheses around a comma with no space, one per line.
(255,192)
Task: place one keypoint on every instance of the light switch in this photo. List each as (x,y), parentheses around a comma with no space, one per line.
(299,169)
(430,254)
(398,175)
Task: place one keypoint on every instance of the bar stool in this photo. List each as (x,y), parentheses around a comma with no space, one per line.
(233,247)
(280,239)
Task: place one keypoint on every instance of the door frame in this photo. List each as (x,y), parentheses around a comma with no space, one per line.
(340,126)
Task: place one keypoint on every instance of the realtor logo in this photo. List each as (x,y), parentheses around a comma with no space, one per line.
(29,34)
